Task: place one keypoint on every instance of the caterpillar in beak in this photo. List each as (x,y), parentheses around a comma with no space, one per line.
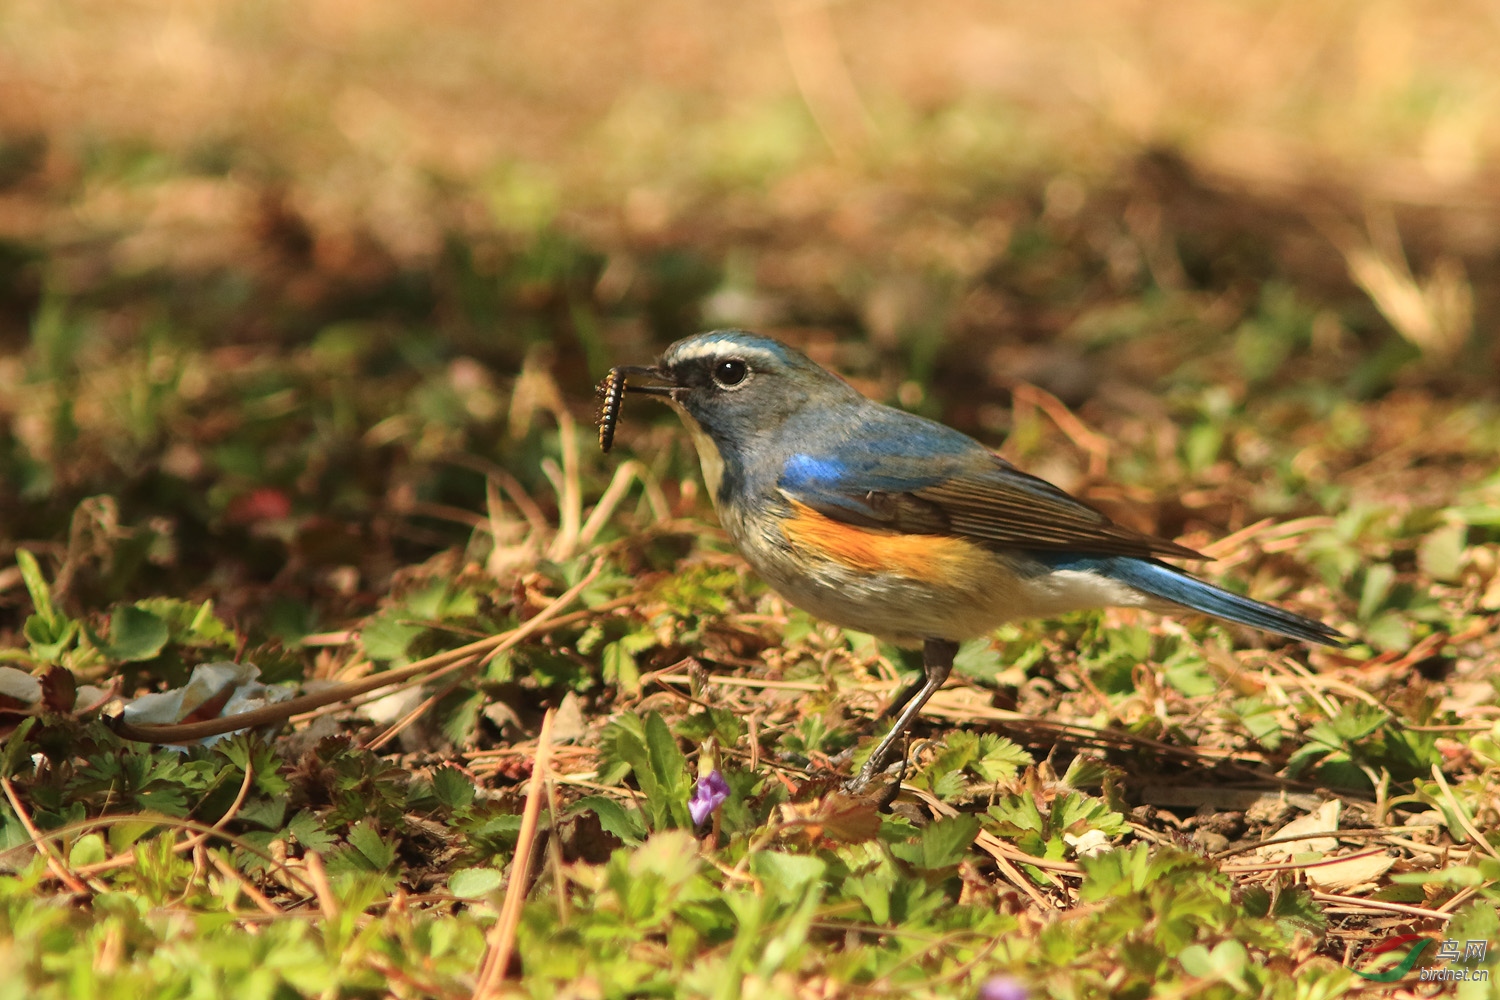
(611,392)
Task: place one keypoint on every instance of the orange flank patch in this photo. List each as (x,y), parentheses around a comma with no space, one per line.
(940,560)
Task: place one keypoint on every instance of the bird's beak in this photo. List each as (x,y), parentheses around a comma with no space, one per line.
(665,383)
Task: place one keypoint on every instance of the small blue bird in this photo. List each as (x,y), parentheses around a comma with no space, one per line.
(885,522)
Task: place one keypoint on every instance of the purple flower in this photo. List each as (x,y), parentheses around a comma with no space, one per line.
(711,793)
(1002,988)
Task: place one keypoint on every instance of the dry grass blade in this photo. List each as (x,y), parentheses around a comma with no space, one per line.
(1460,813)
(1282,866)
(259,898)
(406,721)
(747,682)
(1090,442)
(1293,838)
(1437,315)
(1356,904)
(502,937)
(619,485)
(328,903)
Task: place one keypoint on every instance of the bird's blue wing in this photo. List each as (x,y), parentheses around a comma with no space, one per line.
(921,481)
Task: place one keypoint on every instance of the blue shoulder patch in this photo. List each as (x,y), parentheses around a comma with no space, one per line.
(810,472)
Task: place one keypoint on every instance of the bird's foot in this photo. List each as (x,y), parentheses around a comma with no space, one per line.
(877,780)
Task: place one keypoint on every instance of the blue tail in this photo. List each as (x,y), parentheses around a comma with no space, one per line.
(1172,584)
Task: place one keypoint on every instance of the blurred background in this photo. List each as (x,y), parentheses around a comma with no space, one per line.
(859,165)
(264,264)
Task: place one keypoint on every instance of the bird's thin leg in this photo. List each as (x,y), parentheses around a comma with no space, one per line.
(904,697)
(937,663)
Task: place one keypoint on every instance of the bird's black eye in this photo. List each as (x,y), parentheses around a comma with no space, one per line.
(730,373)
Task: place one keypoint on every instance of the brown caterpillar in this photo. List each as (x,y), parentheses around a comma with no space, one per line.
(611,393)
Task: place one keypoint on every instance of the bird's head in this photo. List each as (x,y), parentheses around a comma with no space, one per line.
(736,391)
(736,385)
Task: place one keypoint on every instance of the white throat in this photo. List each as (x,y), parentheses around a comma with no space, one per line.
(708,453)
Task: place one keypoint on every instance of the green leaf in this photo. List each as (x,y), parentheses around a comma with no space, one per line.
(1357,720)
(1292,908)
(459,711)
(49,638)
(1388,632)
(1075,813)
(1017,817)
(439,601)
(17,752)
(721,723)
(269,813)
(619,661)
(672,854)
(1478,920)
(942,844)
(1457,876)
(368,851)
(622,743)
(123,836)
(1480,515)
(1441,553)
(669,766)
(631,751)
(948,784)
(247,751)
(1226,963)
(786,875)
(134,635)
(500,828)
(1192,678)
(614,818)
(190,624)
(977,658)
(471,883)
(453,788)
(1089,772)
(1259,719)
(387,637)
(989,757)
(36,586)
(1201,445)
(309,831)
(88,850)
(1379,577)
(812,736)
(698,589)
(999,758)
(874,890)
(620,668)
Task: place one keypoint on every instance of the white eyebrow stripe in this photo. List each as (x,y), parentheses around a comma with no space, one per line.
(721,346)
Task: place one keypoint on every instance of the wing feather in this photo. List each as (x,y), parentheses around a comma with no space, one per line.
(975,495)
